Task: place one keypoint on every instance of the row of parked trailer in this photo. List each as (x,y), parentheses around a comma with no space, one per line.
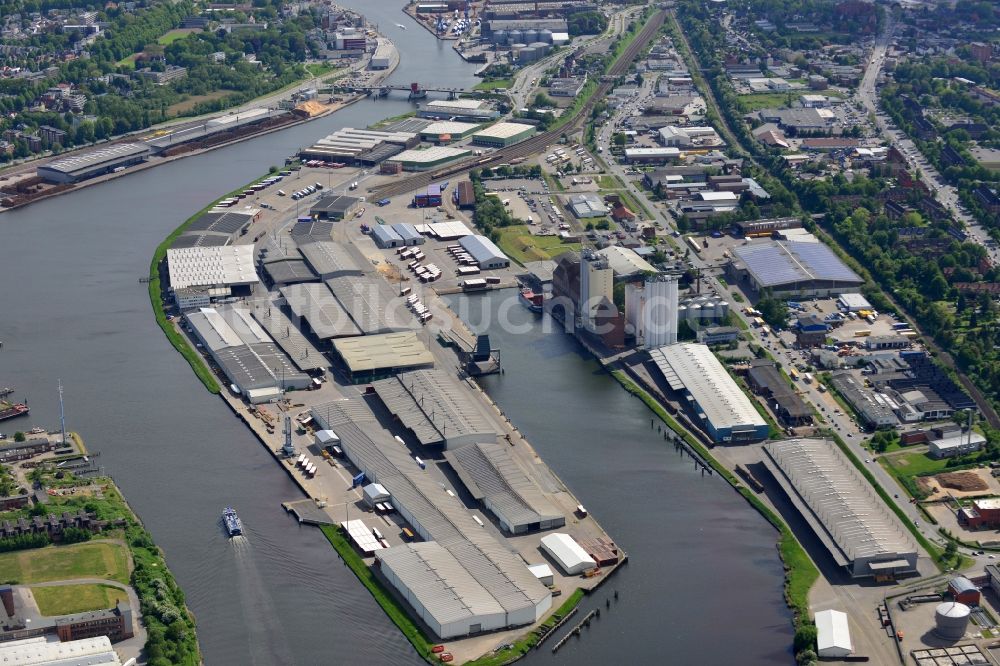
(462,257)
(306,191)
(308,468)
(250,191)
(419,309)
(321,163)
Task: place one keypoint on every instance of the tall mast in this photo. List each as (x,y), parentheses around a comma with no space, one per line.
(62,414)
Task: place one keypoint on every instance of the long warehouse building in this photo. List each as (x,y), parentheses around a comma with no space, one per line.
(246,354)
(693,371)
(434,408)
(93,163)
(843,509)
(494,478)
(482,585)
(793,268)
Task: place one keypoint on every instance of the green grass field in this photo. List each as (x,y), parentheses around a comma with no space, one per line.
(173,35)
(522,247)
(914,464)
(66,599)
(318,69)
(493,85)
(760,101)
(83,560)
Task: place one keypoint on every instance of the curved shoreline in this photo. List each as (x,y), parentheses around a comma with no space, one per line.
(381,75)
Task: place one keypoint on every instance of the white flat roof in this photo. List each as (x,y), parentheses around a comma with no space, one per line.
(41,652)
(449,127)
(211,266)
(458,104)
(430,154)
(639,152)
(718,196)
(504,130)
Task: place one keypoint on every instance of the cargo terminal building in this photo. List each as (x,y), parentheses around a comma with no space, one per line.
(694,372)
(842,508)
(93,163)
(792,268)
(461,581)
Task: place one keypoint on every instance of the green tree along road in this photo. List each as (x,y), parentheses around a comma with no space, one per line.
(853,218)
(118,102)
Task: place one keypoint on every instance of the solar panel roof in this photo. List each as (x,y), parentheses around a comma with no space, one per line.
(778,263)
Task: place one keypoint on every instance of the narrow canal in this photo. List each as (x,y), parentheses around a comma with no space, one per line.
(703,583)
(71,308)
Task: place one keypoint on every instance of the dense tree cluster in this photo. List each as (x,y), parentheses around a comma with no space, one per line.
(122,103)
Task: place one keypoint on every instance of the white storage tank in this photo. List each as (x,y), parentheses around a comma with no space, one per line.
(515,37)
(500,37)
(724,307)
(527,54)
(694,312)
(682,312)
(545,36)
(541,48)
(951,619)
(530,36)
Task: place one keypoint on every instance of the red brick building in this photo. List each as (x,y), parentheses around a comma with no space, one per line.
(980,514)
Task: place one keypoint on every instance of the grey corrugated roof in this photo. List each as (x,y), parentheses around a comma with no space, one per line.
(481,248)
(433,406)
(328,259)
(435,513)
(313,302)
(288,336)
(289,271)
(368,300)
(846,504)
(491,474)
(446,589)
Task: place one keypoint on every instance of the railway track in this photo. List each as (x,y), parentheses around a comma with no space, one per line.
(539,142)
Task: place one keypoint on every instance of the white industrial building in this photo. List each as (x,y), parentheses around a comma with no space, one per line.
(587,205)
(495,479)
(843,509)
(651,311)
(624,261)
(833,636)
(567,553)
(382,58)
(247,355)
(683,137)
(957,444)
(40,651)
(374,493)
(216,267)
(477,583)
(716,399)
(441,590)
(484,251)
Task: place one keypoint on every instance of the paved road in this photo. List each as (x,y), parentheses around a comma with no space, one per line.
(945,193)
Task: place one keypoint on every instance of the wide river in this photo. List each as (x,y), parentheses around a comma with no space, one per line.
(704,581)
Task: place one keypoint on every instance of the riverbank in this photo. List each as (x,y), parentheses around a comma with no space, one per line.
(255,131)
(326,487)
(77,573)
